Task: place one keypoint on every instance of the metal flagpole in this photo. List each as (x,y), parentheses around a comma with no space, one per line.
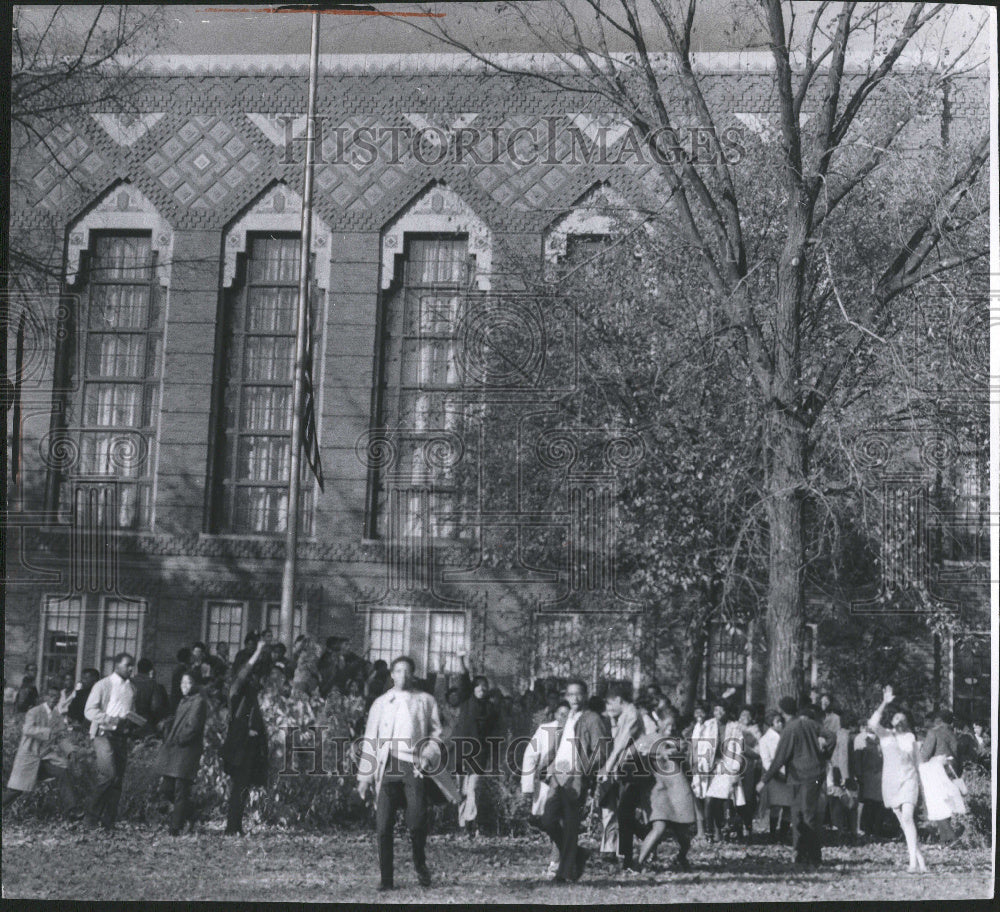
(298,386)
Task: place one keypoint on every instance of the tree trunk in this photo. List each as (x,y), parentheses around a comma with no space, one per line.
(786,448)
(784,598)
(694,651)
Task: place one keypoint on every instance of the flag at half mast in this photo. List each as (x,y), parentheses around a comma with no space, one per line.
(310,437)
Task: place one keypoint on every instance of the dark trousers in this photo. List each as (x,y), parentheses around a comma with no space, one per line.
(805,820)
(178,791)
(401,788)
(239,789)
(561,821)
(111,755)
(629,792)
(716,816)
(49,770)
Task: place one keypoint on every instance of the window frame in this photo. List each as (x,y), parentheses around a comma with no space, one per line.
(46,599)
(102,630)
(394,341)
(407,618)
(428,643)
(299,606)
(710,662)
(75,397)
(209,641)
(234,304)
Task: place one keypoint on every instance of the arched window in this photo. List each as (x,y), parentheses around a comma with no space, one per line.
(118,268)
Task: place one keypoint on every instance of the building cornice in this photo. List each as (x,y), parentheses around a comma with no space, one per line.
(709,62)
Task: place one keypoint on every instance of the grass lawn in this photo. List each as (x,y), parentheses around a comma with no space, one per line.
(141,862)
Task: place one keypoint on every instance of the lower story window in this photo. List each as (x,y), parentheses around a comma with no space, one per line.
(224,624)
(386,634)
(273,617)
(727,660)
(446,639)
(596,648)
(123,619)
(971,700)
(62,638)
(555,638)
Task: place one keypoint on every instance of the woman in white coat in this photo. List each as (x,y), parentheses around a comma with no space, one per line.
(900,780)
(704,740)
(726,785)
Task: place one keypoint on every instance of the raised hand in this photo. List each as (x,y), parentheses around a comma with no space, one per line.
(887,694)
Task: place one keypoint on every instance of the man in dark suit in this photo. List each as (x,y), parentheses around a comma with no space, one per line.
(803,752)
(582,749)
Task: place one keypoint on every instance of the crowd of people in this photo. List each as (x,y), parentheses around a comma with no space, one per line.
(634,761)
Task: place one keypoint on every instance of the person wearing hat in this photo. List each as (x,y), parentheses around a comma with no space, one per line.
(801,751)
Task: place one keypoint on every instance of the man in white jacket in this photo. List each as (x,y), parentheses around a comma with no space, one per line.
(111,700)
(402,739)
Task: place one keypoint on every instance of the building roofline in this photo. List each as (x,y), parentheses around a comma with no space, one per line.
(716,62)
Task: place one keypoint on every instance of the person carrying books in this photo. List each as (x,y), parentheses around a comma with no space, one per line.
(109,705)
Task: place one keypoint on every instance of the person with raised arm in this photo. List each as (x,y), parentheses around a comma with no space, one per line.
(900,779)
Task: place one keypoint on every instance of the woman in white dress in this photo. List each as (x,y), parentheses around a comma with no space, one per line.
(704,741)
(900,780)
(775,801)
(726,785)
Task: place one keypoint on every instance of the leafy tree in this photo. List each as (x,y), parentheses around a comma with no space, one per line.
(803,260)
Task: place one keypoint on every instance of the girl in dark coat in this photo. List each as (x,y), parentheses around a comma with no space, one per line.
(244,752)
(181,752)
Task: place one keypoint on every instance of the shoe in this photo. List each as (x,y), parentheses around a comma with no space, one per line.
(385,885)
(558,879)
(630,871)
(582,855)
(423,876)
(681,864)
(76,814)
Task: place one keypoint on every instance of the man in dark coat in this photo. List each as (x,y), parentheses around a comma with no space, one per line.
(88,678)
(27,693)
(181,668)
(181,752)
(942,742)
(477,723)
(627,727)
(803,755)
(581,750)
(151,700)
(244,752)
(331,664)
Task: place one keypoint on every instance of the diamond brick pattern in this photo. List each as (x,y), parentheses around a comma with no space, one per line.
(358,184)
(59,181)
(204,163)
(530,187)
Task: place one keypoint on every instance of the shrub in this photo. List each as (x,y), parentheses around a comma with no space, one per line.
(296,797)
(979,803)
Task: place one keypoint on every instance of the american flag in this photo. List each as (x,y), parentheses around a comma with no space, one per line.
(310,439)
